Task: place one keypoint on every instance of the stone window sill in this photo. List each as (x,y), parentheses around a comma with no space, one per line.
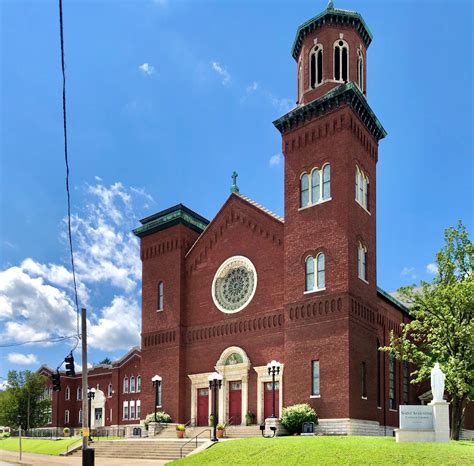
(314,205)
(364,280)
(393,410)
(315,291)
(159,310)
(364,397)
(360,205)
(315,396)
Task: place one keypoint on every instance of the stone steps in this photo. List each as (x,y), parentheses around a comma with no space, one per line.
(142,449)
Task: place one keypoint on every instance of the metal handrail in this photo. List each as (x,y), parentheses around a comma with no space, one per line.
(227,423)
(195,438)
(189,422)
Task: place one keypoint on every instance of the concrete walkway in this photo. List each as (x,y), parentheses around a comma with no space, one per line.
(11,457)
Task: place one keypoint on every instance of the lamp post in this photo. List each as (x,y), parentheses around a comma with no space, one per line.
(157,383)
(19,432)
(90,397)
(273,369)
(215,382)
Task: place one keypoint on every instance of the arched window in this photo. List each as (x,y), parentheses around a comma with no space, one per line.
(316,66)
(392,392)
(234,358)
(321,269)
(132,384)
(315,186)
(362,188)
(160,296)
(79,393)
(67,394)
(125,385)
(139,384)
(300,82)
(360,70)
(379,379)
(309,274)
(109,390)
(66,416)
(304,198)
(341,62)
(362,261)
(326,181)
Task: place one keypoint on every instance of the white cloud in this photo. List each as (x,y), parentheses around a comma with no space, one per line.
(432,269)
(407,270)
(252,88)
(24,359)
(275,160)
(98,178)
(36,300)
(282,105)
(226,78)
(147,69)
(119,325)
(3,386)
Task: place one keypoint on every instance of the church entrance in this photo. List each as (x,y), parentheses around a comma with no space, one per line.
(203,407)
(267,399)
(235,403)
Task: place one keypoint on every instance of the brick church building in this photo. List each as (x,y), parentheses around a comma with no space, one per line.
(232,294)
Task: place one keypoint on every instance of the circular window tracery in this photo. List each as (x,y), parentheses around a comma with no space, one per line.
(234,284)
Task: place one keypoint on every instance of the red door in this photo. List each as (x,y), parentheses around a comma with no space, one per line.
(235,403)
(203,407)
(267,399)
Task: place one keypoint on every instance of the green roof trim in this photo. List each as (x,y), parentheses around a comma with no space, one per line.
(393,300)
(331,16)
(348,94)
(170,217)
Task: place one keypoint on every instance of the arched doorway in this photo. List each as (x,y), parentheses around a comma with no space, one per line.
(98,410)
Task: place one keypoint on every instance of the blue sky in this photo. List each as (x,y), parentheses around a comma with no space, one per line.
(165,99)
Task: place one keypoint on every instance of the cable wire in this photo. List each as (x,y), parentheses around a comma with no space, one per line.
(67,168)
(45,340)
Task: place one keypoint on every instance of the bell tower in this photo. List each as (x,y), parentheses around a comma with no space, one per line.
(330,144)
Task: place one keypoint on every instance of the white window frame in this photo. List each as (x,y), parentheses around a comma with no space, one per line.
(161,296)
(313,394)
(125,411)
(362,189)
(67,393)
(66,416)
(133,386)
(131,408)
(362,262)
(300,82)
(360,69)
(314,52)
(139,383)
(110,390)
(80,417)
(319,172)
(125,387)
(346,46)
(138,409)
(79,393)
(316,271)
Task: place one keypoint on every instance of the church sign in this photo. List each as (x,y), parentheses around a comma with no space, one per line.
(413,417)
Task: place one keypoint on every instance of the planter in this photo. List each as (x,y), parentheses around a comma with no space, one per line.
(220,433)
(180,433)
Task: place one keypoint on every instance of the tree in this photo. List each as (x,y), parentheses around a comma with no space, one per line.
(24,397)
(442,329)
(106,361)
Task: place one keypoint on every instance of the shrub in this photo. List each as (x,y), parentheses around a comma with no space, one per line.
(66,430)
(161,417)
(293,417)
(220,427)
(180,427)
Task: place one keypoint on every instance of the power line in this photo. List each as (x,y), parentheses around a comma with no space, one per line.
(67,166)
(45,340)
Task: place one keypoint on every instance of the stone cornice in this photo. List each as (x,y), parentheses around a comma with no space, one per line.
(346,94)
(331,16)
(170,217)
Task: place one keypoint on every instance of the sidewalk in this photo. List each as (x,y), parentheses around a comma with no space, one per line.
(12,457)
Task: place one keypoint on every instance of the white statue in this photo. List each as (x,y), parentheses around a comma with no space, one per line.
(437,383)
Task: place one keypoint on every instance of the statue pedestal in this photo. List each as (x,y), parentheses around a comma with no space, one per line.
(274,422)
(440,420)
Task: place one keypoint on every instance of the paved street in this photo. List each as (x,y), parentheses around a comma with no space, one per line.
(10,457)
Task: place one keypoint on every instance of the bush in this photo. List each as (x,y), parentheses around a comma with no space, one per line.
(220,427)
(66,430)
(180,428)
(161,417)
(293,417)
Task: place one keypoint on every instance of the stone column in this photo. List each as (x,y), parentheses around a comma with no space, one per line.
(245,398)
(440,420)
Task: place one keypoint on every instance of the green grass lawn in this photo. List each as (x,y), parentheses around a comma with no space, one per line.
(333,450)
(43,446)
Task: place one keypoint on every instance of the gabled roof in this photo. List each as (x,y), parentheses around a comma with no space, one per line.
(247,200)
(331,15)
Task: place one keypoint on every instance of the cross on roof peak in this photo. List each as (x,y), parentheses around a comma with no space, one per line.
(234,188)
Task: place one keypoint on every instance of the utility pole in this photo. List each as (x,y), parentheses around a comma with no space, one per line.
(87,454)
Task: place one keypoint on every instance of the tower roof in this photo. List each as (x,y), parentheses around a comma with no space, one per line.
(331,15)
